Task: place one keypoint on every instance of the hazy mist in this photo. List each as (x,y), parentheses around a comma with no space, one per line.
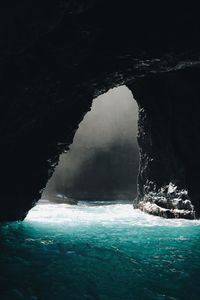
(102,162)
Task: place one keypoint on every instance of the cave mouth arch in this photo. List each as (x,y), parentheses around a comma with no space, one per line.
(103,160)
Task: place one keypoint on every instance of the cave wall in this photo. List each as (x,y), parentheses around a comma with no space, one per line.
(56,56)
(168,134)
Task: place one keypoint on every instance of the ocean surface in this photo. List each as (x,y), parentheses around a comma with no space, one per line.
(98,252)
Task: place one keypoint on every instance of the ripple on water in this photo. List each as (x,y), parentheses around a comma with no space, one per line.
(99,251)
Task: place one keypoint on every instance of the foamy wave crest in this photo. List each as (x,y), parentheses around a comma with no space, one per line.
(98,213)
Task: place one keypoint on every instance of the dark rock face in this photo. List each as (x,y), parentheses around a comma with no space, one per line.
(168,138)
(56,56)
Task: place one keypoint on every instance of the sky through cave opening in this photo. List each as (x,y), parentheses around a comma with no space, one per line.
(102,162)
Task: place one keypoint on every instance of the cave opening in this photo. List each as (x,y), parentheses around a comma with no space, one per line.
(101,165)
(83,240)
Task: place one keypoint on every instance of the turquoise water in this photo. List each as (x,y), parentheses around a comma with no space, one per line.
(98,252)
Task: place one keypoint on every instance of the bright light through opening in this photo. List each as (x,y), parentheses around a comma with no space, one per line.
(103,160)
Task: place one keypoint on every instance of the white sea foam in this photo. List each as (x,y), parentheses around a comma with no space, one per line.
(99,213)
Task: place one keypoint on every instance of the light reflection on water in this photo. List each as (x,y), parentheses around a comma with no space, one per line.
(98,251)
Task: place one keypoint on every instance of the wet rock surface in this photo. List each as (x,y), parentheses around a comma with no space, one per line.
(168,126)
(168,202)
(56,56)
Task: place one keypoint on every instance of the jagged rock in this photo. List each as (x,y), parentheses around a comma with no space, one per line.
(153,209)
(168,203)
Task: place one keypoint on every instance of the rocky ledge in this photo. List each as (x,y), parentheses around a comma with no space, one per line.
(168,202)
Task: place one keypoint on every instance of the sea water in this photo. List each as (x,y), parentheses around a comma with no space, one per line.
(98,251)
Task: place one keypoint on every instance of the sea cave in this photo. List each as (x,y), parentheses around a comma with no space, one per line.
(99,150)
